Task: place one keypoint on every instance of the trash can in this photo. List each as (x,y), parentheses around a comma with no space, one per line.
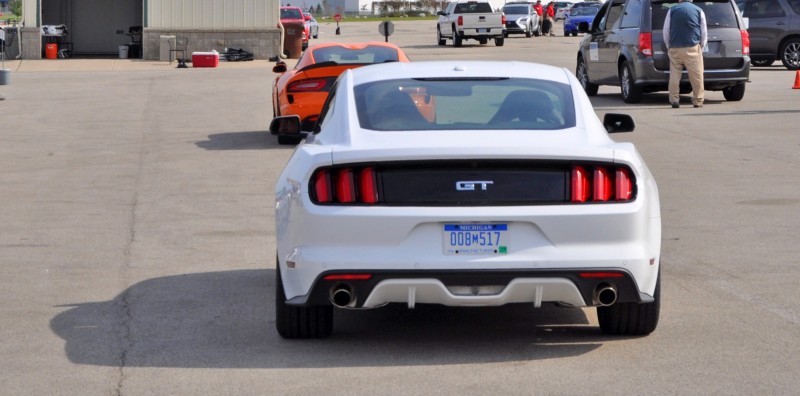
(293,39)
(51,51)
(123,52)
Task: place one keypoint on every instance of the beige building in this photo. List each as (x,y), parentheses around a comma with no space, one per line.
(101,27)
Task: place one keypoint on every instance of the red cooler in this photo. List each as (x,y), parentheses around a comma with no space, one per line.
(205,59)
(51,51)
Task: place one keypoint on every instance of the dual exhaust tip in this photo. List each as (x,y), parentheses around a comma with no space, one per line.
(342,295)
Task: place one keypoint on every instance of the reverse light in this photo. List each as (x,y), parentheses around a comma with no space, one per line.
(646,44)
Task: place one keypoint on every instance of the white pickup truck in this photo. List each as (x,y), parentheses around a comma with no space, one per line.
(470,19)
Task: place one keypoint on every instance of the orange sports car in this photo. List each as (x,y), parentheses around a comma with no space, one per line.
(303,90)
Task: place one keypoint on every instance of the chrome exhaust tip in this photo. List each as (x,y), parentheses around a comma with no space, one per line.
(605,295)
(342,297)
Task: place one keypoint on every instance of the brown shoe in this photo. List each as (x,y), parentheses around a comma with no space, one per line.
(698,105)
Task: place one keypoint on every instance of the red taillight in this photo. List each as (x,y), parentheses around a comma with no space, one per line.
(503,19)
(580,184)
(345,186)
(646,44)
(348,277)
(745,42)
(307,86)
(460,20)
(601,184)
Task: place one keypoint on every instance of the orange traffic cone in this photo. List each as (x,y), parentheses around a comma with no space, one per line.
(797,80)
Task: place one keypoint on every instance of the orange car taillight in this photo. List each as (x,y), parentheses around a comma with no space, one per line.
(601,184)
(345,186)
(315,85)
(646,44)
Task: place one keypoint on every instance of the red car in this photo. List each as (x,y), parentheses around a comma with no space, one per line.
(294,15)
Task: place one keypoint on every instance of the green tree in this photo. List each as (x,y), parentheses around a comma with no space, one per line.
(16,7)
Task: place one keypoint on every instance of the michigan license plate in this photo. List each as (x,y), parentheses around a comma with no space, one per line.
(483,30)
(475,239)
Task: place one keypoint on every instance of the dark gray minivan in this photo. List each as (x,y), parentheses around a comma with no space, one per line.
(774,27)
(624,46)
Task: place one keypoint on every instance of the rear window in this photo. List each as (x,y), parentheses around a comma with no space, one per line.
(291,13)
(719,14)
(464,104)
(368,54)
(515,9)
(473,8)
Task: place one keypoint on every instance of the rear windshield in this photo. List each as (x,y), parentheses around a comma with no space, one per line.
(515,9)
(473,8)
(368,54)
(719,13)
(464,104)
(583,11)
(291,13)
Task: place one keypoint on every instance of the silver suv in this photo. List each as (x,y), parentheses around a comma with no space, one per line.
(774,27)
(624,46)
(521,18)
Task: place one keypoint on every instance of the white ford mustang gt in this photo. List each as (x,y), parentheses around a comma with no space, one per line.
(464,184)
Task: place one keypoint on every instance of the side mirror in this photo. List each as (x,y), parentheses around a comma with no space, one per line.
(279,67)
(616,123)
(440,13)
(309,124)
(285,125)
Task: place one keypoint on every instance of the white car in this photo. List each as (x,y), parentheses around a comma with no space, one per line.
(464,183)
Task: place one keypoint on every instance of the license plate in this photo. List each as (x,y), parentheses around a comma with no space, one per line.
(475,239)
(483,30)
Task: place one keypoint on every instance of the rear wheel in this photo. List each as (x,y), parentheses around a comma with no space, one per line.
(630,318)
(456,39)
(790,54)
(583,76)
(529,32)
(630,92)
(734,93)
(314,321)
(762,62)
(499,41)
(439,39)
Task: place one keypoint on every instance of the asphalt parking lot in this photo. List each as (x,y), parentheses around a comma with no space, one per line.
(137,247)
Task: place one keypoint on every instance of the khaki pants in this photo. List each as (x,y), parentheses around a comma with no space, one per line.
(692,58)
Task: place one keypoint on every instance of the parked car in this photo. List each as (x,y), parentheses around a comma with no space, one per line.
(312,27)
(774,28)
(587,3)
(625,47)
(470,20)
(562,9)
(521,18)
(464,184)
(302,90)
(294,15)
(578,16)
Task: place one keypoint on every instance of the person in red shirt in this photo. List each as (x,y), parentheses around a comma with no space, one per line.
(550,17)
(540,11)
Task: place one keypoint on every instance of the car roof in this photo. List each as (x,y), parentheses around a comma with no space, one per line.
(307,60)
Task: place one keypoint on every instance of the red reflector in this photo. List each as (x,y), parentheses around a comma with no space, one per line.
(307,86)
(345,186)
(580,184)
(602,185)
(601,275)
(367,187)
(646,43)
(322,187)
(348,277)
(623,187)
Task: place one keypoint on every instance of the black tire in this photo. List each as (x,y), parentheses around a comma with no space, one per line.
(583,76)
(734,93)
(499,41)
(314,321)
(439,39)
(529,32)
(538,31)
(790,54)
(630,318)
(566,33)
(574,34)
(283,139)
(762,62)
(630,92)
(457,41)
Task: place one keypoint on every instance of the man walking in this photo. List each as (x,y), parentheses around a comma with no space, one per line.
(685,35)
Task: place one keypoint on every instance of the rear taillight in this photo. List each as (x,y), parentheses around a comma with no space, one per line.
(345,186)
(503,19)
(460,20)
(745,42)
(646,44)
(601,184)
(315,85)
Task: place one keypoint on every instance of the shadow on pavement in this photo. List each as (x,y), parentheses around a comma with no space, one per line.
(258,140)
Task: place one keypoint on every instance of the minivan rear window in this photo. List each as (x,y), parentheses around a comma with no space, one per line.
(719,13)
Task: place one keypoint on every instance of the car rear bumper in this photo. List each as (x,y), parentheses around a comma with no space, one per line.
(713,79)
